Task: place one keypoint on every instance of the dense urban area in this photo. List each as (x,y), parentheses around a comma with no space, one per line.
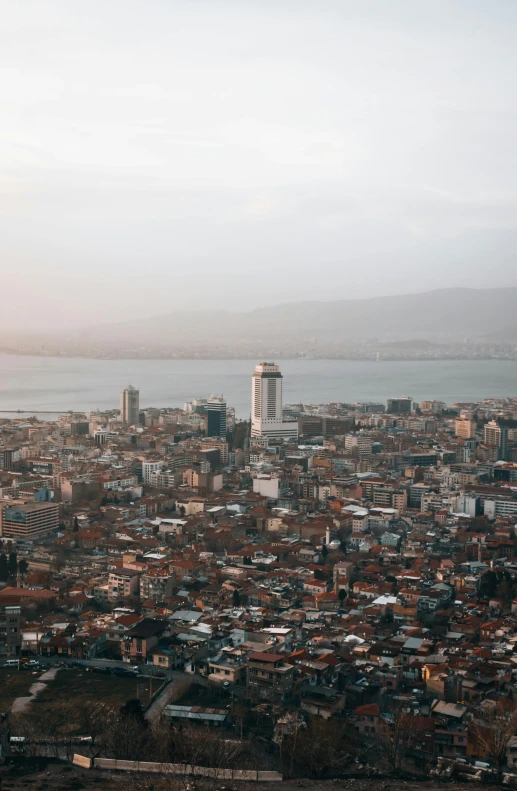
(322,591)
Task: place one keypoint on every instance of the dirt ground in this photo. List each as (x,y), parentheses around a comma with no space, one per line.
(37,776)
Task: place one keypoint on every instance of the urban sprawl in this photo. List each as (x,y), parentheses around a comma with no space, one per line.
(318,588)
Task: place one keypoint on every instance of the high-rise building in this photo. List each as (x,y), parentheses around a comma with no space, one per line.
(400,406)
(267,405)
(216,417)
(130,406)
(464,428)
(497,437)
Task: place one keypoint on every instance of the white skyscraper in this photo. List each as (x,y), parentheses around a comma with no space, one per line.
(267,403)
(130,406)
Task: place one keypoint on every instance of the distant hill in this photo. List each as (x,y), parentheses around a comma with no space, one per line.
(411,321)
(506,335)
(448,314)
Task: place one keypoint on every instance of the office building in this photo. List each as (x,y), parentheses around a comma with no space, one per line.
(267,405)
(216,417)
(399,406)
(496,437)
(130,406)
(7,459)
(26,519)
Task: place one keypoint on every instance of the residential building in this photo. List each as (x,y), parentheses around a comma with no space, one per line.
(464,428)
(269,676)
(138,643)
(149,468)
(123,583)
(497,437)
(10,631)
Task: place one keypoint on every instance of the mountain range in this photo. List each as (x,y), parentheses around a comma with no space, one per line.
(452,313)
(445,316)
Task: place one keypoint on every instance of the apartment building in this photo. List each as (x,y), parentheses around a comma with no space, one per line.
(464,428)
(123,583)
(269,676)
(10,631)
(155,584)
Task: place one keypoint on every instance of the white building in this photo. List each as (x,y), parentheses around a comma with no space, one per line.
(267,486)
(130,406)
(150,467)
(267,405)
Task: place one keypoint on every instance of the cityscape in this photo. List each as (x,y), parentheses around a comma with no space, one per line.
(258,395)
(299,586)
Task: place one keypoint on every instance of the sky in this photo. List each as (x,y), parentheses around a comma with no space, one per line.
(165,154)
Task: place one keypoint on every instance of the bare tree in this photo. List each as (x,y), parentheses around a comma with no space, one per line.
(492,732)
(318,749)
(94,722)
(396,738)
(188,745)
(127,735)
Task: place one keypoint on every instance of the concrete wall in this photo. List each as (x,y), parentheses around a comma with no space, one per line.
(176,769)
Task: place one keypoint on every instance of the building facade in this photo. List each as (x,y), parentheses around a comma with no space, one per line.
(216,417)
(267,405)
(10,631)
(496,437)
(130,406)
(20,519)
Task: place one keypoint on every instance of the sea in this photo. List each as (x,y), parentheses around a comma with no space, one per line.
(56,384)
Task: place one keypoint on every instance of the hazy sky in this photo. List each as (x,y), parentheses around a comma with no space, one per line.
(165,153)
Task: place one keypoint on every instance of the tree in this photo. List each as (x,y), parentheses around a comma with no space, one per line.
(12,564)
(493,732)
(342,595)
(76,524)
(395,738)
(319,748)
(133,708)
(59,558)
(236,598)
(324,552)
(4,569)
(126,735)
(94,717)
(23,567)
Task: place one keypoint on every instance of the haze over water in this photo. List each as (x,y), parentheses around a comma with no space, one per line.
(60,384)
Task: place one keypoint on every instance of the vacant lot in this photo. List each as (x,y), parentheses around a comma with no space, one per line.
(14,683)
(82,687)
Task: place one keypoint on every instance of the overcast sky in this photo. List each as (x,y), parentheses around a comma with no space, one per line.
(189,153)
